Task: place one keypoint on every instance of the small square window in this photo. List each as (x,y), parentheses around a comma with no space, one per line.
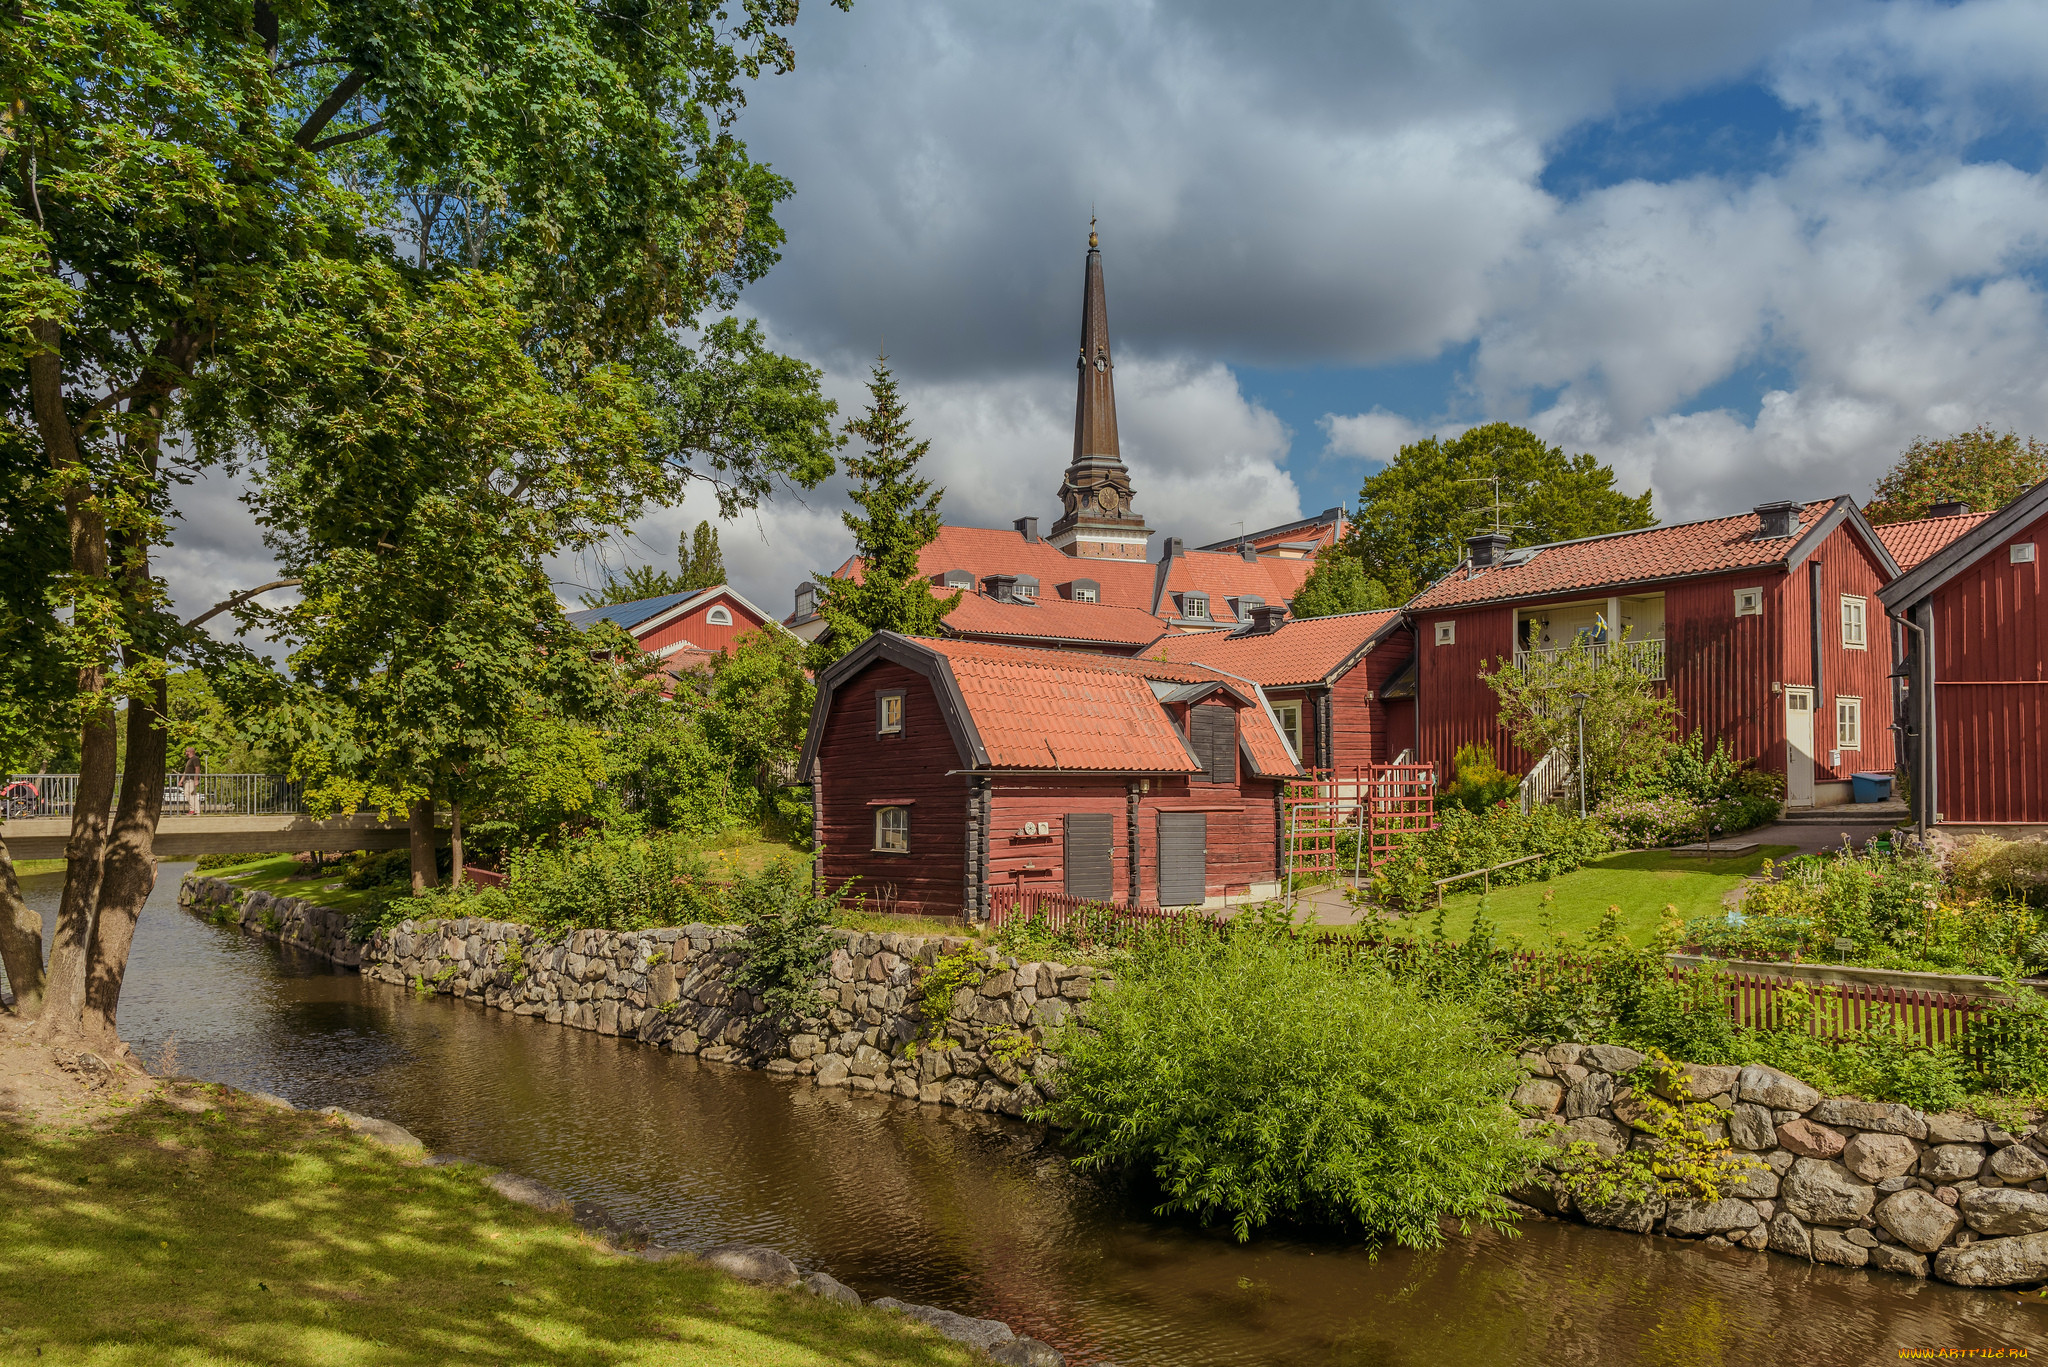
(1749,602)
(2023,553)
(889,713)
(1848,723)
(1446,633)
(892,830)
(1084,595)
(1853,635)
(1194,606)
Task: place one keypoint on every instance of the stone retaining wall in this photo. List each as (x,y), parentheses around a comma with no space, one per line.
(1834,1180)
(669,988)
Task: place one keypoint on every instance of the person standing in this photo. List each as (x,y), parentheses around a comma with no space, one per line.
(190,776)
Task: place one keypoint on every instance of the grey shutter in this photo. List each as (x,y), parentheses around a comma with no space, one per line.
(1214,741)
(1183,858)
(1090,873)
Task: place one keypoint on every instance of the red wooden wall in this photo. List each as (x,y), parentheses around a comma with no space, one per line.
(693,627)
(1991,689)
(1039,861)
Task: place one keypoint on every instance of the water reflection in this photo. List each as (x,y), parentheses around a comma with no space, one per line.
(982,1215)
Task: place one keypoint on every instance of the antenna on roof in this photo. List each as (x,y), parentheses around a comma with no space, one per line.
(1495,506)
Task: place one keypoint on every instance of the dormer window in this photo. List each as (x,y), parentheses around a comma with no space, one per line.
(1195,606)
(1026,589)
(1084,591)
(957,579)
(806,600)
(1242,606)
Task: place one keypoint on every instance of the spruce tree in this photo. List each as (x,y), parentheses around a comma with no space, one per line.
(704,562)
(902,518)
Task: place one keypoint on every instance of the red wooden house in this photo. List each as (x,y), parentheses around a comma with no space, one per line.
(943,770)
(1326,678)
(1974,710)
(1765,626)
(685,631)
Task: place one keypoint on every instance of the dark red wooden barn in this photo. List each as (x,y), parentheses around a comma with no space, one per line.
(1974,710)
(943,770)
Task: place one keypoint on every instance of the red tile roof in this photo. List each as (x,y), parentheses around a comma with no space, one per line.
(1224,575)
(1303,651)
(984,551)
(1912,542)
(1052,619)
(1687,548)
(1059,709)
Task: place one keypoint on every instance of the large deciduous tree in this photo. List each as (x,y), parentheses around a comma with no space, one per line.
(1337,584)
(1979,467)
(1414,516)
(226,226)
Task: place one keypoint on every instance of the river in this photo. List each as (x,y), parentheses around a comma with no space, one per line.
(980,1214)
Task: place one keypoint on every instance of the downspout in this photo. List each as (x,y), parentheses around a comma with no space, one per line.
(1819,681)
(1133,793)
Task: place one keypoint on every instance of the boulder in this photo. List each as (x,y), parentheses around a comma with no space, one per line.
(1026,1352)
(1874,1156)
(1589,1096)
(1778,1091)
(1917,1220)
(2004,1210)
(1541,1095)
(1954,1129)
(832,1071)
(1751,1128)
(377,1131)
(827,1287)
(982,1334)
(2016,1165)
(1749,1179)
(1952,1162)
(1833,1246)
(1883,1117)
(1809,1140)
(1824,1193)
(1995,1262)
(1788,1235)
(1690,1219)
(752,1263)
(1706,1081)
(1611,1058)
(1890,1258)
(1606,1137)
(1636,1219)
(528,1192)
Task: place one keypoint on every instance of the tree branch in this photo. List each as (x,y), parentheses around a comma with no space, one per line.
(339,138)
(238,600)
(337,99)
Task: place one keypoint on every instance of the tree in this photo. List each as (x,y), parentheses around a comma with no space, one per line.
(639,582)
(197,202)
(1629,720)
(1337,584)
(1414,516)
(887,592)
(1978,467)
(704,563)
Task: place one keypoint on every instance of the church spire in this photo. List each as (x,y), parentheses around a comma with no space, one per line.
(1096,520)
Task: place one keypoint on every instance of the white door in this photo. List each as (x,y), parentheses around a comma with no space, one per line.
(1798,747)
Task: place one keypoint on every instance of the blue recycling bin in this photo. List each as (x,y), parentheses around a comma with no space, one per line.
(1870,787)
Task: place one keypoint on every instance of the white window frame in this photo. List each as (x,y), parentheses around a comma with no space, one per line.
(892,830)
(1749,602)
(1288,714)
(719,616)
(2021,552)
(1195,606)
(1025,590)
(1447,633)
(807,603)
(888,718)
(1084,595)
(1848,723)
(1858,607)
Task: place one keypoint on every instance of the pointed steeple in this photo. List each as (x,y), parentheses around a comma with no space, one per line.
(1096,520)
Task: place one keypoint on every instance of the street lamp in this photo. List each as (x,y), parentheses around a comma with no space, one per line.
(1579,702)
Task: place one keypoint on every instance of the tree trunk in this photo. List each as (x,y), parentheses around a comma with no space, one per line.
(131,867)
(21,942)
(420,827)
(455,844)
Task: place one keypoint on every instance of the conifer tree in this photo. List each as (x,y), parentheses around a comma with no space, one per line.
(902,518)
(703,564)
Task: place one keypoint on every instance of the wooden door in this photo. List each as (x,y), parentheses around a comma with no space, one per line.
(1798,747)
(1183,859)
(1090,868)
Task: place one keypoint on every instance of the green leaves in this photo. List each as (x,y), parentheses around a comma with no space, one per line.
(1977,467)
(1337,584)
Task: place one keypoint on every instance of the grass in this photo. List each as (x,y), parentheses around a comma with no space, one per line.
(287,877)
(249,1235)
(24,867)
(744,850)
(1641,882)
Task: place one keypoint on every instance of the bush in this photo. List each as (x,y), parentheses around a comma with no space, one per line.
(1464,841)
(1257,1080)
(1691,794)
(1480,782)
(378,869)
(1985,866)
(789,938)
(611,882)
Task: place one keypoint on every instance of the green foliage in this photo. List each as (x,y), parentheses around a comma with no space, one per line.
(634,584)
(1684,1160)
(1689,794)
(1338,584)
(703,563)
(901,518)
(2012,1042)
(936,987)
(1978,467)
(761,702)
(1257,1080)
(1628,719)
(603,881)
(700,565)
(789,938)
(1465,840)
(1480,783)
(1985,866)
(1414,516)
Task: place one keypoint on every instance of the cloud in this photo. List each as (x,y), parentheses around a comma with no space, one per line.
(1379,435)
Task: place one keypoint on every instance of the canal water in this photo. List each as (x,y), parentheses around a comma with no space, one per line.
(978,1214)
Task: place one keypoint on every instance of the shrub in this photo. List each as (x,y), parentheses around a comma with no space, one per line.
(1480,782)
(378,869)
(1985,866)
(789,938)
(1464,841)
(611,882)
(1691,794)
(1257,1080)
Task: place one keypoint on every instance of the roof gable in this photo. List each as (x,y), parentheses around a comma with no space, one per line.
(1305,650)
(1912,542)
(1965,550)
(630,615)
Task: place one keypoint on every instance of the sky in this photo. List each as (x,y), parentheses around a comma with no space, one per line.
(1741,250)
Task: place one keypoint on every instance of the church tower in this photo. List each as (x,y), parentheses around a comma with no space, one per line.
(1096,520)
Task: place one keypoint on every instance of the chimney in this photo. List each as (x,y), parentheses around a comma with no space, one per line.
(1248,551)
(1778,519)
(1174,548)
(1001,587)
(1027,527)
(1485,548)
(1267,619)
(1951,508)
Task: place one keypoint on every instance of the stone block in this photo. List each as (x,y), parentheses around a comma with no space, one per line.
(1809,1140)
(1995,1262)
(1824,1193)
(1691,1219)
(1882,1117)
(752,1263)
(1589,1097)
(1875,1156)
(1750,1126)
(1636,1219)
(1779,1091)
(1610,1058)
(1540,1095)
(832,1071)
(1886,1258)
(2017,1164)
(1833,1246)
(1750,1179)
(1606,1137)
(1949,1128)
(2003,1211)
(1952,1162)
(1789,1235)
(827,1287)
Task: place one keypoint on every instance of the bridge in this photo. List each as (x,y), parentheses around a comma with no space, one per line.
(239,814)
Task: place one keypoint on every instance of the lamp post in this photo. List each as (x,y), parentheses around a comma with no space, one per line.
(1579,703)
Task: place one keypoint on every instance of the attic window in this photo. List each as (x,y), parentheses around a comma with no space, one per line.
(1195,606)
(1446,633)
(1026,589)
(806,600)
(1243,605)
(1084,591)
(889,712)
(2022,553)
(957,579)
(719,617)
(1749,602)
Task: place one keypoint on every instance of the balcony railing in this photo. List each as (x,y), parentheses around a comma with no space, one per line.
(1647,657)
(33,795)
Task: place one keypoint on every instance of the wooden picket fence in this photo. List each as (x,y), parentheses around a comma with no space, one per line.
(1756,1001)
(1078,916)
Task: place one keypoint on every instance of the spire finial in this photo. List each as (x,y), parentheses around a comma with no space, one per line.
(1092,243)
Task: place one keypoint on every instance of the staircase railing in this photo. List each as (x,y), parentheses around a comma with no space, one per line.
(1547,780)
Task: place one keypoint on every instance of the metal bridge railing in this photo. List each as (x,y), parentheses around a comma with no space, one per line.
(33,795)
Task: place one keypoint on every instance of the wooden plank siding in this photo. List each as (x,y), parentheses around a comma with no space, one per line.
(1037,862)
(1991,688)
(694,627)
(858,769)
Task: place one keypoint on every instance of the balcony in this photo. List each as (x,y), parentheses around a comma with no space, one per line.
(1646,657)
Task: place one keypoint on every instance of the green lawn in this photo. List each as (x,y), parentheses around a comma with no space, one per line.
(1641,882)
(247,1235)
(24,867)
(284,875)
